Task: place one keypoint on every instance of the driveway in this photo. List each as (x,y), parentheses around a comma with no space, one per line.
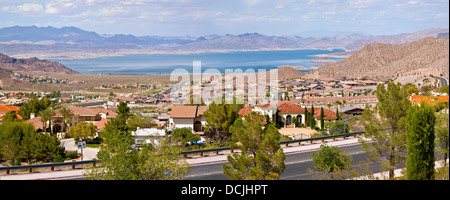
(88,153)
(297,133)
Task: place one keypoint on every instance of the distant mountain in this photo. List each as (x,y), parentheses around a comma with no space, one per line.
(32,65)
(72,42)
(390,60)
(38,34)
(400,39)
(442,35)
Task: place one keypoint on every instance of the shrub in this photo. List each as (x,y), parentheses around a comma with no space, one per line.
(72,154)
(58,158)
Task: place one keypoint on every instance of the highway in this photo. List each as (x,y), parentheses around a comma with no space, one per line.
(209,167)
(297,164)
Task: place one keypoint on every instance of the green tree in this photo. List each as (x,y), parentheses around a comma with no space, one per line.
(337,113)
(46,115)
(83,130)
(115,132)
(330,159)
(123,110)
(140,121)
(294,121)
(312,120)
(9,116)
(420,142)
(65,112)
(34,105)
(337,127)
(410,89)
(442,134)
(219,118)
(19,142)
(122,162)
(306,117)
(322,121)
(184,135)
(261,156)
(385,126)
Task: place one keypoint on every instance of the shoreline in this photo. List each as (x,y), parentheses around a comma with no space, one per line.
(125,52)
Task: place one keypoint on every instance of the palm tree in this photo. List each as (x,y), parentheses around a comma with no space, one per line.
(46,115)
(65,112)
(69,121)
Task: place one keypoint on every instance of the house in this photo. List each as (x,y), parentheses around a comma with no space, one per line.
(96,116)
(148,135)
(350,110)
(188,116)
(287,111)
(265,109)
(328,115)
(350,83)
(336,85)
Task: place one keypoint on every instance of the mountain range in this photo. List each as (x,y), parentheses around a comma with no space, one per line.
(72,42)
(429,55)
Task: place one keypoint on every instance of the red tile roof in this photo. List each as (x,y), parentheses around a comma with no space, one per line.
(327,114)
(101,124)
(183,112)
(201,110)
(290,108)
(245,111)
(417,99)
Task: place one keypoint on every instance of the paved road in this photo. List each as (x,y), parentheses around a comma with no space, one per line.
(297,164)
(298,160)
(443,81)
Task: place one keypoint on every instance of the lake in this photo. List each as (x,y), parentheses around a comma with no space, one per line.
(166,63)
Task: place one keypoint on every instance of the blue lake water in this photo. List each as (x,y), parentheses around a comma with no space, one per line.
(166,63)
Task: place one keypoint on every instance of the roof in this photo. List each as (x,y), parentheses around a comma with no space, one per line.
(245,111)
(183,112)
(36,122)
(428,100)
(348,108)
(101,124)
(327,113)
(83,111)
(8,108)
(290,108)
(201,110)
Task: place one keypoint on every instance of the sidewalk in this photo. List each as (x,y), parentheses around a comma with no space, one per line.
(397,173)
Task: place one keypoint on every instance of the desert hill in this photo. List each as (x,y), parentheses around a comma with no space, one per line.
(33,65)
(384,60)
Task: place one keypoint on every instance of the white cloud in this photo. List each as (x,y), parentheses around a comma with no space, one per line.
(26,8)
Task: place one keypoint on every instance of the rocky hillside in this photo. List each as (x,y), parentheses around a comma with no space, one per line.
(33,65)
(384,60)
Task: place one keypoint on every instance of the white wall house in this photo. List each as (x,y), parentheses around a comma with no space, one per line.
(188,116)
(148,135)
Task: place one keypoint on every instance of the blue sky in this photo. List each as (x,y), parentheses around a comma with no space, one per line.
(204,17)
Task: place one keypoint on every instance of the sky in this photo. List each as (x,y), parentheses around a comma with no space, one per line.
(205,17)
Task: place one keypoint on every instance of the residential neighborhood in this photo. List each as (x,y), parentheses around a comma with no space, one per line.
(298,109)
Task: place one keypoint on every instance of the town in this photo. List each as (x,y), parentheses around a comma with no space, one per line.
(305,108)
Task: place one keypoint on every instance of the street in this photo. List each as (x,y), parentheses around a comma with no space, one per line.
(297,165)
